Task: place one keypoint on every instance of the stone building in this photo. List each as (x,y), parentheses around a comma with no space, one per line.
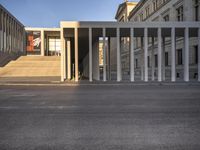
(164,11)
(152,40)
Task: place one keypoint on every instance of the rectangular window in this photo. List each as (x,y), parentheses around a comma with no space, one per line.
(196,54)
(156,60)
(148,61)
(54,44)
(157,3)
(196,9)
(136,63)
(179,12)
(166,59)
(166,18)
(141,17)
(154,6)
(179,57)
(147,11)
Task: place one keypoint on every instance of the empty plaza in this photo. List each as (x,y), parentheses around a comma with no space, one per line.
(100,117)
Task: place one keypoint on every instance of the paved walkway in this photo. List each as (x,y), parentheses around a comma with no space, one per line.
(100,117)
(55,81)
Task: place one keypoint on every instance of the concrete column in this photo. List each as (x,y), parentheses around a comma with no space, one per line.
(95,64)
(145,54)
(8,37)
(62,55)
(76,54)
(152,60)
(69,59)
(64,58)
(90,54)
(42,43)
(132,71)
(5,30)
(163,60)
(142,59)
(17,38)
(109,60)
(22,41)
(11,35)
(173,55)
(186,55)
(119,75)
(1,31)
(104,55)
(199,54)
(159,55)
(14,35)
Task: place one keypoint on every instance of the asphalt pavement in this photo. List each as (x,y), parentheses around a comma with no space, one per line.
(100,117)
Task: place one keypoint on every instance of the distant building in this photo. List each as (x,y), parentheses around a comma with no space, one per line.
(164,11)
(122,15)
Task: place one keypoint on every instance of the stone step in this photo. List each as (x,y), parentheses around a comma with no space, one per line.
(27,72)
(32,66)
(40,58)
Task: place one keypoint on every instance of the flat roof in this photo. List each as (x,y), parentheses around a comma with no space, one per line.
(114,24)
(39,29)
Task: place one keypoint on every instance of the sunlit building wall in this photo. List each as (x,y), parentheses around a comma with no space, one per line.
(163,11)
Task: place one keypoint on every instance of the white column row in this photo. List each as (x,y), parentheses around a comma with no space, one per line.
(160,54)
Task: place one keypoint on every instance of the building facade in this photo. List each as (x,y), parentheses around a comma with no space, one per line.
(11,36)
(43,41)
(165,11)
(84,35)
(141,45)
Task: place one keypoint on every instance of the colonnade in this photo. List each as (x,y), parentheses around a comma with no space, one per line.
(133,30)
(11,33)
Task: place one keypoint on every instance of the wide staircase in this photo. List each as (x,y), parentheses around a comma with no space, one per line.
(35,67)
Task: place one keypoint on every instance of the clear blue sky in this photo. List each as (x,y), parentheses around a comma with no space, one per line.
(48,13)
